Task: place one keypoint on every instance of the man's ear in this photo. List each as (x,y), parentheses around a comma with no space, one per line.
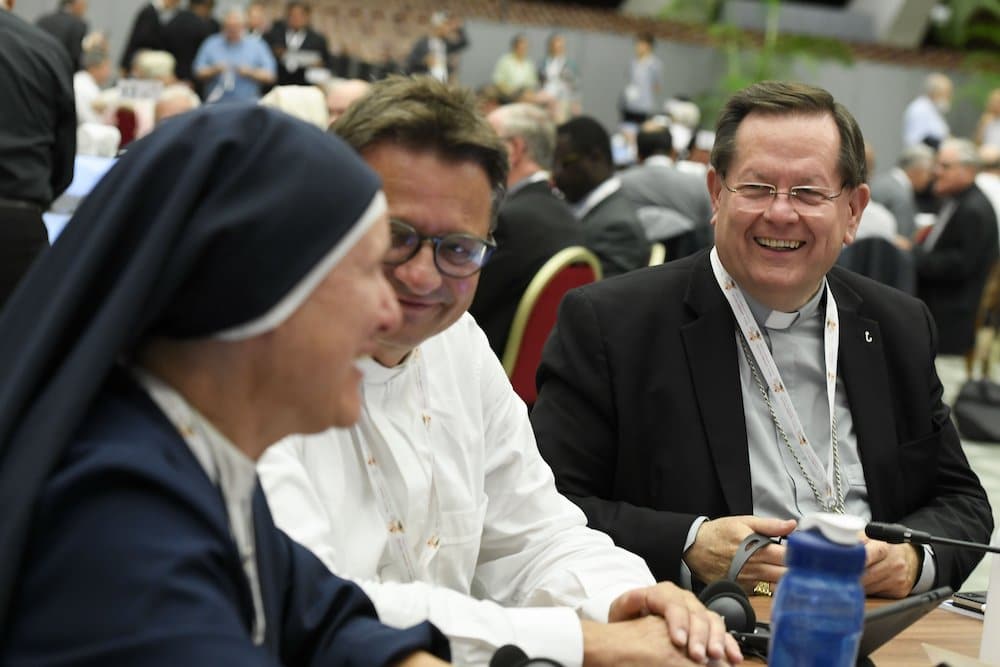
(856,204)
(714,182)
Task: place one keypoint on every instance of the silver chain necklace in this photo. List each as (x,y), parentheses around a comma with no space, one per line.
(837,504)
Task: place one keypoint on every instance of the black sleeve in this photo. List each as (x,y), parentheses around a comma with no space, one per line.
(64,146)
(576,425)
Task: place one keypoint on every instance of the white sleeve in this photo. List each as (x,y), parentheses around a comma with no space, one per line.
(536,547)
(476,628)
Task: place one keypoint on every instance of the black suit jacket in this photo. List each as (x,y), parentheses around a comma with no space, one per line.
(182,36)
(612,230)
(313,41)
(68,30)
(951,276)
(147,33)
(640,412)
(533,224)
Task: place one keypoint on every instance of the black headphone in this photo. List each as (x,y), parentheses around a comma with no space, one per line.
(729,601)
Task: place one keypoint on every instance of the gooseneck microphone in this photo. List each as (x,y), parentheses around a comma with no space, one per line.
(894,533)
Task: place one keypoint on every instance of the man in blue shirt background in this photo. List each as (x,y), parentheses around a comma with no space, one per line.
(232,64)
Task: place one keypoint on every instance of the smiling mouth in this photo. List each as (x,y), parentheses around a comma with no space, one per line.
(778,244)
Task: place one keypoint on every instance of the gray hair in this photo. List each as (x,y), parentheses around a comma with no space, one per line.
(534,127)
(965,150)
(917,156)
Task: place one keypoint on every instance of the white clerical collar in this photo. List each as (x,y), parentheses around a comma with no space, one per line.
(776,319)
(658,161)
(537,177)
(596,196)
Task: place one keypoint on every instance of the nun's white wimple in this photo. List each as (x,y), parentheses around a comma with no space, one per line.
(282,310)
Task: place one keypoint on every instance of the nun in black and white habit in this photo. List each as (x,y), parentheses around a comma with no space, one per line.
(132,530)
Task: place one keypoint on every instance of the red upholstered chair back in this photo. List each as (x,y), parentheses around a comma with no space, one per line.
(126,122)
(537,310)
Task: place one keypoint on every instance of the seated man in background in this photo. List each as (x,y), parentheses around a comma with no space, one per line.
(341,93)
(437,502)
(672,205)
(204,293)
(897,189)
(533,224)
(583,170)
(736,390)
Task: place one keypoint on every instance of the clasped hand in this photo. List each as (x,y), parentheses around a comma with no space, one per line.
(659,625)
(890,569)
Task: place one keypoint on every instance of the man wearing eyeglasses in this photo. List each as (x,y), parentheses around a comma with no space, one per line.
(438,502)
(732,392)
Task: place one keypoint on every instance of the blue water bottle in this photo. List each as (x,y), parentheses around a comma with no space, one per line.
(819,608)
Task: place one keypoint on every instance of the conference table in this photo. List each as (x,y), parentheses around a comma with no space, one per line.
(942,628)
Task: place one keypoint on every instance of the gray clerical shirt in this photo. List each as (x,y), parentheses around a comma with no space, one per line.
(779,489)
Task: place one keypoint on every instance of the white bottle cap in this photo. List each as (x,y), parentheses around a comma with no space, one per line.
(839,528)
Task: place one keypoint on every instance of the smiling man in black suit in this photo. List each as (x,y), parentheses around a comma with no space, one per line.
(687,406)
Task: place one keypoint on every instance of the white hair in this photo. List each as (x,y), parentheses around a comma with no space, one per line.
(965,150)
(304,102)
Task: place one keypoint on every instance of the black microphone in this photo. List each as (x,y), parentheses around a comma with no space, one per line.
(894,533)
(509,655)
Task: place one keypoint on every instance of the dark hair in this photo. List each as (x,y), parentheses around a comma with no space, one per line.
(422,113)
(586,135)
(780,98)
(646,37)
(517,38)
(304,6)
(654,141)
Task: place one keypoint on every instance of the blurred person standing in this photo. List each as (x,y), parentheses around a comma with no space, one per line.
(296,46)
(955,258)
(436,53)
(233,65)
(185,32)
(147,30)
(644,84)
(559,79)
(514,73)
(258,22)
(66,24)
(924,118)
(37,139)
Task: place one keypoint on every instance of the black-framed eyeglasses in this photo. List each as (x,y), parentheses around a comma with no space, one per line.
(455,255)
(762,194)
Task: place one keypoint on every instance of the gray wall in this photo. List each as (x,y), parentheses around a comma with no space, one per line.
(875,93)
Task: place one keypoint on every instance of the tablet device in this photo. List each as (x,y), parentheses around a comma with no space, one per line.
(881,624)
(886,622)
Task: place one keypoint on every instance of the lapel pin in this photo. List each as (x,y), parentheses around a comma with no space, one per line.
(868,336)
